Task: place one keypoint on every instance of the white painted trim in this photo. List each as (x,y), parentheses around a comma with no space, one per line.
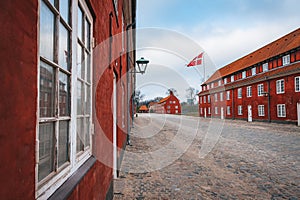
(115,156)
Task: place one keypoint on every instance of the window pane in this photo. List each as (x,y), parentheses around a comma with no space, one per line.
(87,131)
(80,64)
(80,135)
(80,30)
(46,32)
(87,100)
(52,2)
(88,66)
(87,34)
(64,94)
(80,96)
(64,9)
(46,150)
(63,143)
(64,51)
(47,86)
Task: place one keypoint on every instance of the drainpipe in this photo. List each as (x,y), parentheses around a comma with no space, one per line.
(232,101)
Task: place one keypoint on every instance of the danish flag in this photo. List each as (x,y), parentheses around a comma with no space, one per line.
(196,61)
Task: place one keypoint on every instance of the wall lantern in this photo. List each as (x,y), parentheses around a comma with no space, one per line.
(142,65)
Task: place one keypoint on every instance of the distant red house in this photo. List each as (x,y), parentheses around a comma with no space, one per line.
(143,109)
(168,105)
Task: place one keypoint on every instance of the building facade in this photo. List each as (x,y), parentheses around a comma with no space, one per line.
(65,98)
(261,86)
(167,105)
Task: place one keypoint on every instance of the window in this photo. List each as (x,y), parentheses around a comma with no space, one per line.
(212,85)
(286,60)
(200,100)
(240,110)
(220,82)
(208,98)
(281,112)
(57,154)
(225,80)
(244,74)
(216,97)
(260,89)
(201,111)
(171,102)
(232,78)
(249,91)
(216,110)
(253,70)
(221,96)
(280,86)
(297,84)
(228,95)
(174,102)
(176,107)
(168,107)
(265,67)
(204,99)
(228,110)
(208,87)
(176,111)
(209,111)
(240,93)
(261,110)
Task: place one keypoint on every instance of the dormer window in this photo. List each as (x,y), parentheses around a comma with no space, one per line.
(232,78)
(225,80)
(253,70)
(220,82)
(286,60)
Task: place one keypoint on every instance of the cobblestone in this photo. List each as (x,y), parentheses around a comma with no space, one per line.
(250,161)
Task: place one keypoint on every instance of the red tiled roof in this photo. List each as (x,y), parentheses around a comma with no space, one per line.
(143,108)
(287,42)
(164,99)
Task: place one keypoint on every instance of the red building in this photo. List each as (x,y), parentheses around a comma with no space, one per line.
(62,64)
(261,86)
(143,109)
(167,105)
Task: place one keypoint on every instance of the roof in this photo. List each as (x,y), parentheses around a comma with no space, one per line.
(280,46)
(164,99)
(143,107)
(152,103)
(272,74)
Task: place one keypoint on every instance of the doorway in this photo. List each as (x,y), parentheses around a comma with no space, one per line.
(222,113)
(298,111)
(249,113)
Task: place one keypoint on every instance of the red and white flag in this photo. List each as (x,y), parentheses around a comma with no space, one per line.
(196,61)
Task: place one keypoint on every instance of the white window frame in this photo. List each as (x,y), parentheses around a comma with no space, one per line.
(216,110)
(240,94)
(212,85)
(286,60)
(297,84)
(208,86)
(249,91)
(216,97)
(260,90)
(225,81)
(281,110)
(208,98)
(219,82)
(261,110)
(265,67)
(48,185)
(228,95)
(201,111)
(176,107)
(244,74)
(221,96)
(232,78)
(280,86)
(209,111)
(204,99)
(228,110)
(253,71)
(240,110)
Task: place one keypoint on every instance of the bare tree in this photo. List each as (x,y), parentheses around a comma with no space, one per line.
(191,95)
(138,97)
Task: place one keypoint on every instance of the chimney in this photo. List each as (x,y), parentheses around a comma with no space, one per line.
(171,93)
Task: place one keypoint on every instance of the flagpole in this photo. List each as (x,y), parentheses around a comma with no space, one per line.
(204,66)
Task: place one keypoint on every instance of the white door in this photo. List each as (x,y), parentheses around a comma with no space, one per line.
(114,109)
(298,111)
(222,113)
(249,113)
(204,112)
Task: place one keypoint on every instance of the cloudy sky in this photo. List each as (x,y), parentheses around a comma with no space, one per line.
(172,32)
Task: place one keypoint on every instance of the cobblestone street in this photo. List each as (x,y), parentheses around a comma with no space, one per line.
(249,161)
